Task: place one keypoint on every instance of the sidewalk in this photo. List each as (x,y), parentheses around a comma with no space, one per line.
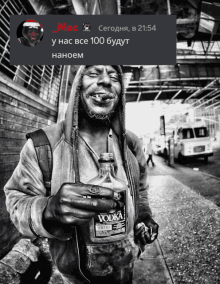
(188,246)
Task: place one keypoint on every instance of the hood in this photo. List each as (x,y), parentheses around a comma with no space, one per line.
(71,120)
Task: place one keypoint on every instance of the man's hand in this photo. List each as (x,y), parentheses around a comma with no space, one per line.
(76,204)
(146,231)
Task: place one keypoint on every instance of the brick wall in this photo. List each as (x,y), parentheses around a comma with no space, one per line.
(20,112)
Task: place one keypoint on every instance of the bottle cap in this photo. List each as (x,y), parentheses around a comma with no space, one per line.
(106,157)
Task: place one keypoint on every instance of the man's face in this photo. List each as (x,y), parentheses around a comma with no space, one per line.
(33,34)
(100,90)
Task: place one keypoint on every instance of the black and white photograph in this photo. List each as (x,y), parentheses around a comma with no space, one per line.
(110,173)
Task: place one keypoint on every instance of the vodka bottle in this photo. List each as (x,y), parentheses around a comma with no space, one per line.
(112,225)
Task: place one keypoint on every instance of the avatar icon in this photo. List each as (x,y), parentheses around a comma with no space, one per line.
(32,33)
(86,27)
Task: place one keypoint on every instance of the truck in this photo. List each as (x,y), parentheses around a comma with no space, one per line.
(191,139)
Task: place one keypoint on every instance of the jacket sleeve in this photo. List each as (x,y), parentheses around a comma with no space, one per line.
(26,195)
(144,210)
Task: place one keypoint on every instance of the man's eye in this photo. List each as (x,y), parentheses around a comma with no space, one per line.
(93,74)
(114,78)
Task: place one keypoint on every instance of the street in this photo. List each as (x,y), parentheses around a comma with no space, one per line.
(212,167)
(187,248)
(203,178)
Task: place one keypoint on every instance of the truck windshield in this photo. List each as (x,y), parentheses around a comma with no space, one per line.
(187,133)
(201,132)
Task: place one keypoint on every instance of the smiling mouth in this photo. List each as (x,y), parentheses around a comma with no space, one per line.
(33,38)
(103,97)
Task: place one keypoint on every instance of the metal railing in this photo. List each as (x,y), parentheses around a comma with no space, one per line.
(42,80)
(199,55)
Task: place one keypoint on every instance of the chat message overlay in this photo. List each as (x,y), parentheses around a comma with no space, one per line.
(76,39)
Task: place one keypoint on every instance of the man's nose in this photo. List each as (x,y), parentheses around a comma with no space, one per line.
(104,79)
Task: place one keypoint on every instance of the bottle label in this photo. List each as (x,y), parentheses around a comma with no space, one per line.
(113,222)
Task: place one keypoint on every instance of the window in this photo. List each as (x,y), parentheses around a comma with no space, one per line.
(42,80)
(201,132)
(187,133)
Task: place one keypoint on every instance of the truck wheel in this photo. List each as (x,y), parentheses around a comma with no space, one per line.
(206,158)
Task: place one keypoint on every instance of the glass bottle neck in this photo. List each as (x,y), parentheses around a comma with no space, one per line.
(105,168)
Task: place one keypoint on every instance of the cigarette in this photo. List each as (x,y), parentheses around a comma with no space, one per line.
(153,236)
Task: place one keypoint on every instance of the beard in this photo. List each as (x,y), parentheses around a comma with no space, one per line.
(94,118)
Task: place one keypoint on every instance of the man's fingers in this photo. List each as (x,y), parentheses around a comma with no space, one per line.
(153,236)
(147,237)
(81,189)
(154,232)
(92,204)
(71,216)
(142,238)
(137,231)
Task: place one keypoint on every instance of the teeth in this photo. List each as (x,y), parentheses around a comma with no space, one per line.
(103,97)
(97,96)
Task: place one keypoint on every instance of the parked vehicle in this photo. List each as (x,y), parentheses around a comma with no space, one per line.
(192,140)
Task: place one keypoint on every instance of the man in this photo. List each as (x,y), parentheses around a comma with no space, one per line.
(150,152)
(32,32)
(94,124)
